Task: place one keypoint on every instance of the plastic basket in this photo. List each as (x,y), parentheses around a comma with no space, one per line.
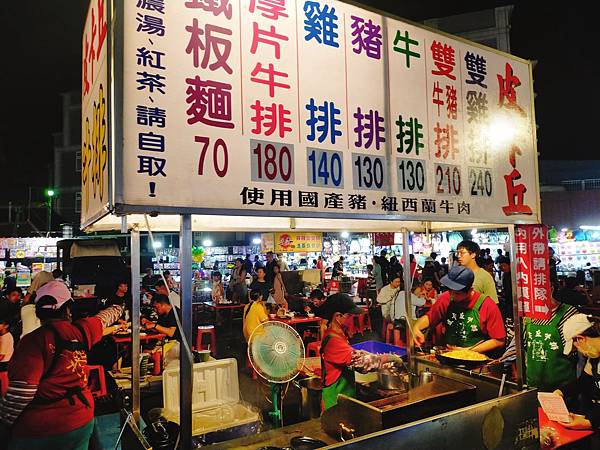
(379,348)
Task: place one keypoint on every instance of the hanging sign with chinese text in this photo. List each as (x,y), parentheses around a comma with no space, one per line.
(320,107)
(533,274)
(94,114)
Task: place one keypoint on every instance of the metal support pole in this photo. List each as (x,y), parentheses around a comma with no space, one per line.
(49,205)
(410,349)
(185,362)
(516,317)
(135,323)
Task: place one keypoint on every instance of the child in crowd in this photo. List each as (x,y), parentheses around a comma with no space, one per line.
(218,291)
(428,293)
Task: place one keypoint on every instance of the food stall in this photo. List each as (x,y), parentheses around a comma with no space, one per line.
(236,116)
(25,257)
(577,249)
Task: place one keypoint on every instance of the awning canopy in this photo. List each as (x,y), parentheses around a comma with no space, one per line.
(167,222)
(83,249)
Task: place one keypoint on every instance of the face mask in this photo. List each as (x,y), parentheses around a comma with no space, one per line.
(587,349)
(341,321)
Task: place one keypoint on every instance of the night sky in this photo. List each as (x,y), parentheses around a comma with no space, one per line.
(41,53)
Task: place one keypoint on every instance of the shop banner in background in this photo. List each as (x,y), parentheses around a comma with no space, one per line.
(23,278)
(267,242)
(298,242)
(36,268)
(94,113)
(533,274)
(383,239)
(317,107)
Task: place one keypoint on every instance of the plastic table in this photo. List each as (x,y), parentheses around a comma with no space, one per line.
(566,435)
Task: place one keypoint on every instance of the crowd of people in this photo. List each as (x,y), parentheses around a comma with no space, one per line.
(46,342)
(470,305)
(44,353)
(466,304)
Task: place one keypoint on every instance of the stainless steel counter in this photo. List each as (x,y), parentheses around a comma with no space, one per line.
(279,437)
(506,423)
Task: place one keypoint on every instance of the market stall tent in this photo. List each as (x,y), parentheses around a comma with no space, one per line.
(305,116)
(171,222)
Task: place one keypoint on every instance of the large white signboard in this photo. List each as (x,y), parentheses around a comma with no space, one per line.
(312,107)
(94,109)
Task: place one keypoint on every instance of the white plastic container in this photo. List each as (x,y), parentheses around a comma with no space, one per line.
(215,399)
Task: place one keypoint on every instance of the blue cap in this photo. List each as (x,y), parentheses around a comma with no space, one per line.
(458,278)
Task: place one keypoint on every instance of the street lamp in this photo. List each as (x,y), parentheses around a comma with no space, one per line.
(50,193)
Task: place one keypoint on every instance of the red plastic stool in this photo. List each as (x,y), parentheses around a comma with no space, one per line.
(96,380)
(3,382)
(398,339)
(389,332)
(384,327)
(393,336)
(313,349)
(310,332)
(210,330)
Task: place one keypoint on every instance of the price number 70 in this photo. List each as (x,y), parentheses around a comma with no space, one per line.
(219,147)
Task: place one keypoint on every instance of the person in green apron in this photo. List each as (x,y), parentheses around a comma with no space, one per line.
(338,358)
(466,317)
(547,368)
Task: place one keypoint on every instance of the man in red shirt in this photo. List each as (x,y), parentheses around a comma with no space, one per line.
(338,358)
(48,404)
(466,315)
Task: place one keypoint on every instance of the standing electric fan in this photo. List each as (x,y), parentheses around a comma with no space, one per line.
(276,353)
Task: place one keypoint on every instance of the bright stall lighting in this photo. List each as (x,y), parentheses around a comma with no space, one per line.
(500,132)
(589,227)
(207,243)
(256,241)
(157,244)
(345,235)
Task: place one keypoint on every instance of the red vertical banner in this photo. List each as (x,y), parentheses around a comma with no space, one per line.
(533,276)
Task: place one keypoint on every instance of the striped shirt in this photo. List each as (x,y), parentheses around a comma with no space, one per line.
(570,312)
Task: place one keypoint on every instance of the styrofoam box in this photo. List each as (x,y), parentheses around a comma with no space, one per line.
(215,397)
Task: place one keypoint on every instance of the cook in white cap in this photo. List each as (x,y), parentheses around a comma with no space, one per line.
(584,332)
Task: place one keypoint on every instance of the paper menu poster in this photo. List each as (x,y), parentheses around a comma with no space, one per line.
(554,406)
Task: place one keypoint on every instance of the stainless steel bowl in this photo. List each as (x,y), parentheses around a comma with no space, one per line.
(393,379)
